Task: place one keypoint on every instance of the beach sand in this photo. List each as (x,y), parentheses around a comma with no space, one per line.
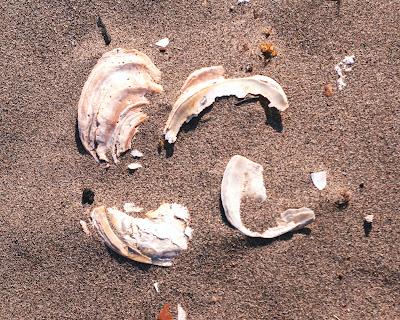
(50,269)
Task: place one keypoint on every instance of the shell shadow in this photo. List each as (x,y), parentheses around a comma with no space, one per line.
(260,242)
(123,261)
(273,116)
(194,122)
(78,141)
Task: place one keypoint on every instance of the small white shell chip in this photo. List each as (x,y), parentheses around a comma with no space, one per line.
(181,313)
(134,166)
(163,43)
(319,179)
(136,153)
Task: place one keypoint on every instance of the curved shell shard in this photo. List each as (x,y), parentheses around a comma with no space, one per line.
(203,86)
(244,178)
(156,239)
(109,109)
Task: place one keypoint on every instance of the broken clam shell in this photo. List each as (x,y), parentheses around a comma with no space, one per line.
(156,239)
(244,178)
(203,86)
(109,109)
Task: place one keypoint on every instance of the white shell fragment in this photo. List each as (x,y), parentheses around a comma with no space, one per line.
(203,86)
(163,43)
(156,287)
(109,109)
(130,207)
(136,153)
(342,68)
(319,179)
(85,227)
(243,1)
(244,178)
(134,166)
(369,218)
(181,313)
(155,239)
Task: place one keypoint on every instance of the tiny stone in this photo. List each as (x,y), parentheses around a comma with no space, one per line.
(87,196)
(248,68)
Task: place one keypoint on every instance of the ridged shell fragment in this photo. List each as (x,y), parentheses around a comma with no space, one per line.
(244,178)
(111,101)
(155,239)
(203,86)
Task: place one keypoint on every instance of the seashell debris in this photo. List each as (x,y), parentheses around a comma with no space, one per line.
(156,287)
(244,178)
(163,43)
(155,239)
(134,166)
(130,207)
(342,68)
(369,218)
(136,153)
(109,109)
(85,227)
(319,179)
(203,86)
(181,313)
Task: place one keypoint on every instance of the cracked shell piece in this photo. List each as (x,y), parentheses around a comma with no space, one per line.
(203,86)
(109,108)
(244,178)
(156,239)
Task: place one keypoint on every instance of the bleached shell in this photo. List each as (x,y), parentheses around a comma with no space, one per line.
(244,178)
(134,166)
(136,153)
(156,239)
(181,313)
(203,86)
(109,109)
(369,218)
(162,43)
(319,179)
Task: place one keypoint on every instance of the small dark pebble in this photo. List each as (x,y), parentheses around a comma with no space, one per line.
(87,196)
(362,185)
(248,68)
(103,30)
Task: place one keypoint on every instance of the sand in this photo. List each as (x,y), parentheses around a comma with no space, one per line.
(50,269)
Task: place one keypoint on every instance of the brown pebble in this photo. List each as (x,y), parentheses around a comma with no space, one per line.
(161,145)
(328,90)
(256,14)
(268,50)
(344,200)
(267,32)
(245,47)
(215,299)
